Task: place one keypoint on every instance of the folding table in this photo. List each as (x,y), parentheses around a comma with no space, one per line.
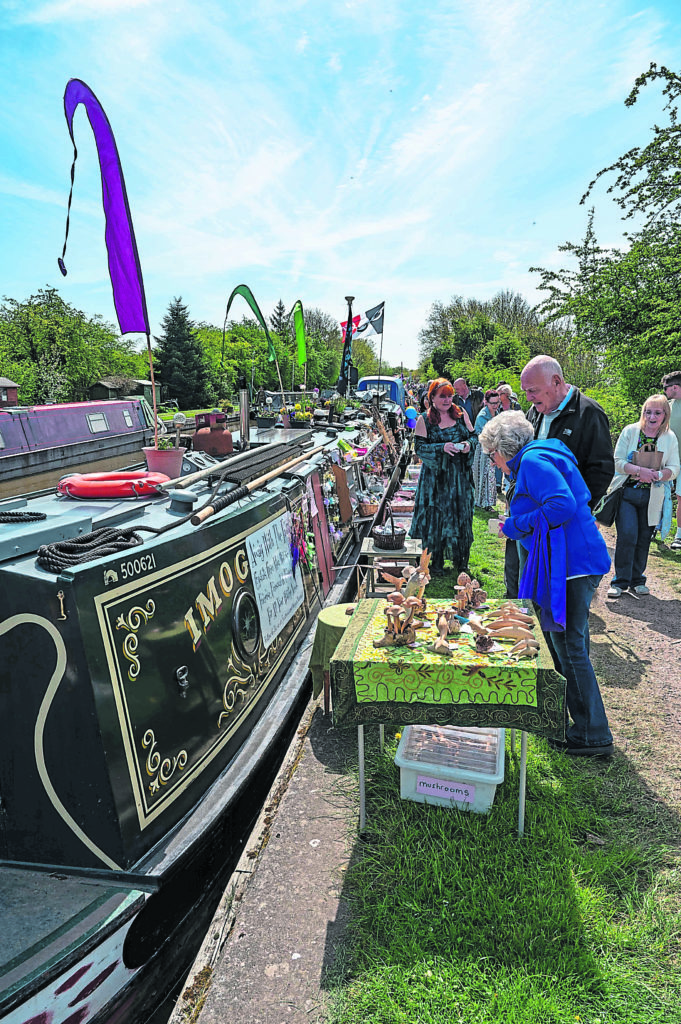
(408,686)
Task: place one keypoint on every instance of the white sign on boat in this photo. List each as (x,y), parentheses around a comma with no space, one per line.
(278,590)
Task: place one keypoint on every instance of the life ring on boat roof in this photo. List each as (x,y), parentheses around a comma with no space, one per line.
(131,484)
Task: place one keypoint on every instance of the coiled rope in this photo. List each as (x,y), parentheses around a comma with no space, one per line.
(22,517)
(108,541)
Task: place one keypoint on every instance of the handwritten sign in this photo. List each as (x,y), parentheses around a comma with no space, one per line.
(278,591)
(443,788)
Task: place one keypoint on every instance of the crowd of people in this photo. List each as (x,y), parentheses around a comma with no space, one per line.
(558,465)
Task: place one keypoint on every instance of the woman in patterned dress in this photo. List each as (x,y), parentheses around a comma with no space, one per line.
(443,508)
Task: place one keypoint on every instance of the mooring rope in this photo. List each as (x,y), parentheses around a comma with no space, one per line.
(22,517)
(108,541)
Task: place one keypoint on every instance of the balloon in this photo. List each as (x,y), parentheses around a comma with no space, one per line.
(411,423)
(411,413)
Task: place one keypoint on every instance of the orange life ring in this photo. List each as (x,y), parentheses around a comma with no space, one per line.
(134,484)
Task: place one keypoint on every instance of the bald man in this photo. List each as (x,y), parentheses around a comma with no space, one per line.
(561,410)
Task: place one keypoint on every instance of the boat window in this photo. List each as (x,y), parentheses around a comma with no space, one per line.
(97,422)
(2,441)
(127,417)
(3,395)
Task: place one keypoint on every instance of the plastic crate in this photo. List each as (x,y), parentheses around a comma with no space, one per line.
(451,766)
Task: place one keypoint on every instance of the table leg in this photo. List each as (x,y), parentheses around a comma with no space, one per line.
(381,736)
(327,691)
(523,779)
(362,793)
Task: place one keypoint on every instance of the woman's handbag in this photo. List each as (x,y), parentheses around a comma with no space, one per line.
(388,541)
(605,510)
(648,457)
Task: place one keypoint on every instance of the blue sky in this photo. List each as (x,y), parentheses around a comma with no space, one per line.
(389,150)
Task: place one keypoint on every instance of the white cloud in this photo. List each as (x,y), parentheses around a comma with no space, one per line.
(302,43)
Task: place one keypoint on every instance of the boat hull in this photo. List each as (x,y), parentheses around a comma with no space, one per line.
(159,686)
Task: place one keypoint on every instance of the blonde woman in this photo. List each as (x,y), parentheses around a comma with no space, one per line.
(643,493)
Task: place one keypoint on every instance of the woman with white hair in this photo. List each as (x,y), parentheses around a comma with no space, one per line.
(644,491)
(566,559)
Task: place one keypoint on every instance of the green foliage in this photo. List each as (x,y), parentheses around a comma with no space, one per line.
(55,352)
(179,355)
(648,180)
(279,321)
(624,306)
(625,309)
(245,351)
(488,341)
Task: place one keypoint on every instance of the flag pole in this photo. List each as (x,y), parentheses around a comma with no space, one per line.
(380,353)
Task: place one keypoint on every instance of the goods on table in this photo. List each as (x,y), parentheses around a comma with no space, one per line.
(406,613)
(401,610)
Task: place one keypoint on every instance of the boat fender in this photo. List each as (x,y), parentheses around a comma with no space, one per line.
(126,484)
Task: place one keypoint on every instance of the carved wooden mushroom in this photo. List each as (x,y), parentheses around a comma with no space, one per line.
(440,646)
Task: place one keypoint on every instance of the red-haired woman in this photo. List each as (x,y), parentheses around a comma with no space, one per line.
(443,509)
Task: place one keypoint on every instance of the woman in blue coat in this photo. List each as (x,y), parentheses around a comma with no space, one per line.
(565,559)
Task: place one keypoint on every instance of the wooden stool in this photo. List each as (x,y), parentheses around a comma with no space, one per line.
(393,561)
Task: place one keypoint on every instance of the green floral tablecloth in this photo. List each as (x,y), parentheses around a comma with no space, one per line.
(414,685)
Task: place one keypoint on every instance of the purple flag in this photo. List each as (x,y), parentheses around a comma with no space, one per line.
(124,263)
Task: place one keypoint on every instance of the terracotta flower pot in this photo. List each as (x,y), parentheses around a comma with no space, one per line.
(164,460)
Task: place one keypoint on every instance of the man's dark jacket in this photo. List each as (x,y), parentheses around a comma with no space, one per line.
(583,426)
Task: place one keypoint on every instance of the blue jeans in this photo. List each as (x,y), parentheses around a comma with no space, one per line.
(570,651)
(633,538)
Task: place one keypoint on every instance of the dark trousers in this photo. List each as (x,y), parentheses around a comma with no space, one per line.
(511,569)
(570,651)
(633,538)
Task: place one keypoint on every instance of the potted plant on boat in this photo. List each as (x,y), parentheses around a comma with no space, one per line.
(266,417)
(166,455)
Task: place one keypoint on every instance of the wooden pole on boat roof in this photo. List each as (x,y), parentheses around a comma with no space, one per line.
(210,510)
(153,388)
(201,474)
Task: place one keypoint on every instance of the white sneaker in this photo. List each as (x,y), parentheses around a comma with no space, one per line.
(614,591)
(642,590)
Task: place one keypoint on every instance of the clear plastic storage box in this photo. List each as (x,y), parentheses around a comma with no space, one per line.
(451,766)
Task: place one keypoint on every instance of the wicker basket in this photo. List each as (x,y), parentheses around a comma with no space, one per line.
(367,508)
(393,541)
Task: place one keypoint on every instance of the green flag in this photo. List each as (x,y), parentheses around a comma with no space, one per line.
(245,292)
(299,324)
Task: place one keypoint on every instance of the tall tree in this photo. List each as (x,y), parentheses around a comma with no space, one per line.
(279,321)
(180,360)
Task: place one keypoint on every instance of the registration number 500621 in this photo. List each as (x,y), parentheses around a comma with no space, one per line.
(135,566)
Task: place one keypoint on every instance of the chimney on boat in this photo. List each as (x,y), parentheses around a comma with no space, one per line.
(244,414)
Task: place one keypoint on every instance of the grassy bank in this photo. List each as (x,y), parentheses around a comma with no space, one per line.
(454,919)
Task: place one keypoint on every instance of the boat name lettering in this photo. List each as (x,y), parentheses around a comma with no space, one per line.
(136,566)
(208,602)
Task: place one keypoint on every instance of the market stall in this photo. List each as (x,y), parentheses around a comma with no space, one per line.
(412,684)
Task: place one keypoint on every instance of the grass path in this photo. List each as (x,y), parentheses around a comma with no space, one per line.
(454,920)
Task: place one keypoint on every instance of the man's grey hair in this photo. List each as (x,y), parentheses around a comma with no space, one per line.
(546,364)
(507,433)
